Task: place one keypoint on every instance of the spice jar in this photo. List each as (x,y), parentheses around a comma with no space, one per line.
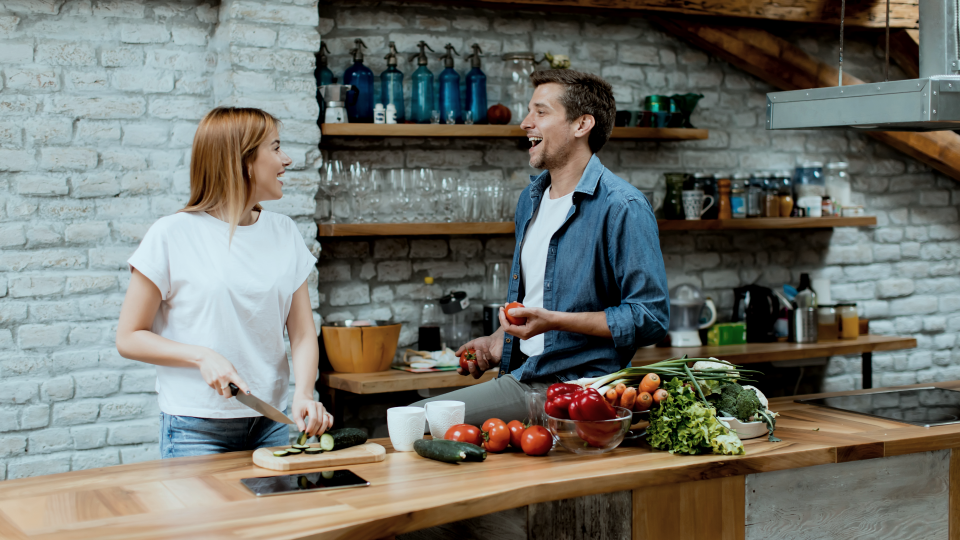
(738,200)
(754,190)
(826,206)
(849,321)
(771,201)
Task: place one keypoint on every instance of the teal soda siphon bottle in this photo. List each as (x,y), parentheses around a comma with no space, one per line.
(391,83)
(421,102)
(360,76)
(323,73)
(476,87)
(450,88)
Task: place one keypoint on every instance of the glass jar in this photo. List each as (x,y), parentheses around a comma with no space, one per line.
(837,184)
(754,193)
(771,200)
(519,89)
(808,180)
(673,201)
(849,321)
(738,199)
(828,325)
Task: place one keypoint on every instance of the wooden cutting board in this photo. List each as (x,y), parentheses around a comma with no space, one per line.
(364,453)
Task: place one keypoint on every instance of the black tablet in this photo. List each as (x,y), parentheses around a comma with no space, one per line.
(295,483)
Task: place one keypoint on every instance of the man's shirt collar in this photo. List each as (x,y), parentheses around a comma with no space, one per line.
(587,184)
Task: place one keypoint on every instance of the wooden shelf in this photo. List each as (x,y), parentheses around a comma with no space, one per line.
(477,130)
(506,227)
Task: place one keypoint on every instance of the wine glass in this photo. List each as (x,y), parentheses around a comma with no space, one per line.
(332,183)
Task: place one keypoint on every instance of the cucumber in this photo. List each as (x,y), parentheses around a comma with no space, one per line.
(302,439)
(327,475)
(449,451)
(281,453)
(312,450)
(294,451)
(301,446)
(338,439)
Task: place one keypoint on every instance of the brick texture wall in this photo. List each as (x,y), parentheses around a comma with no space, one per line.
(99,102)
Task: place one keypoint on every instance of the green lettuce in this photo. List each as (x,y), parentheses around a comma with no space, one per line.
(681,424)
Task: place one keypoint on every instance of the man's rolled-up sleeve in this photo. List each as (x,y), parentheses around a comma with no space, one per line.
(633,242)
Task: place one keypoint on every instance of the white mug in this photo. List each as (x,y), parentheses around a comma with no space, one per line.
(405,425)
(442,415)
(693,200)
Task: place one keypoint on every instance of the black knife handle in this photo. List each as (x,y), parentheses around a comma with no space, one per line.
(233,389)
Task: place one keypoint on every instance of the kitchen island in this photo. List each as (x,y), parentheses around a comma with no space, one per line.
(833,472)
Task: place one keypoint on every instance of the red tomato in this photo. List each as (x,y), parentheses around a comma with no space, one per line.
(516,428)
(469,355)
(660,395)
(650,383)
(537,441)
(488,425)
(464,433)
(496,438)
(516,321)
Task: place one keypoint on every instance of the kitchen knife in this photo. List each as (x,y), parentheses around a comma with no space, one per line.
(260,406)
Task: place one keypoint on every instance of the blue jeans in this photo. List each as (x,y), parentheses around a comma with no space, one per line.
(182,436)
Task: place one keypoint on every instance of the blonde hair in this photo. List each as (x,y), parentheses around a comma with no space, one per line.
(224,146)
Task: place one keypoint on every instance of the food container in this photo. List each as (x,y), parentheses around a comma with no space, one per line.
(828,327)
(802,324)
(849,321)
(361,349)
(744,430)
(852,211)
(730,333)
(591,437)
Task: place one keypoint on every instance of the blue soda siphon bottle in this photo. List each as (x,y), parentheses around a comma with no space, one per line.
(476,86)
(450,88)
(360,76)
(323,73)
(391,83)
(421,102)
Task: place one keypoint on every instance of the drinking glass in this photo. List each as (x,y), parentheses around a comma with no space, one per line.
(332,183)
(451,117)
(466,195)
(448,198)
(434,117)
(468,118)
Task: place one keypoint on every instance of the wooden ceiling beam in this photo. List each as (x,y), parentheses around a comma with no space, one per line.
(862,13)
(905,51)
(785,66)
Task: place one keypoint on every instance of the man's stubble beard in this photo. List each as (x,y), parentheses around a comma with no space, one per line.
(550,161)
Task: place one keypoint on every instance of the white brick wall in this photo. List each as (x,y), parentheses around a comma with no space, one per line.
(98,105)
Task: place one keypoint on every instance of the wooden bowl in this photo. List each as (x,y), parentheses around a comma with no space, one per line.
(365,349)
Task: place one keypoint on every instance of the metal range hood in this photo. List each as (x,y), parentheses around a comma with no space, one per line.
(930,103)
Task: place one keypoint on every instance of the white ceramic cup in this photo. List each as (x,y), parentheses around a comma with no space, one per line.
(693,199)
(405,425)
(442,415)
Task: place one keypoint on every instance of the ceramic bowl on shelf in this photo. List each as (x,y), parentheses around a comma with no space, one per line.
(745,430)
(591,437)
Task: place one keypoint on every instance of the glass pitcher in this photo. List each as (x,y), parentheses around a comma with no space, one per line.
(519,89)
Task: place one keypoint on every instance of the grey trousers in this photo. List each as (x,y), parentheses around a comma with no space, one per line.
(503,398)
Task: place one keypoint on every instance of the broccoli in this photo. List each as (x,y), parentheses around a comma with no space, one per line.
(747,405)
(727,399)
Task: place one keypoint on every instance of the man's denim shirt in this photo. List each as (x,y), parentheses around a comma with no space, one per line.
(605,257)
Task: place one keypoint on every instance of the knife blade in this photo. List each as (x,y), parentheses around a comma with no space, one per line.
(260,406)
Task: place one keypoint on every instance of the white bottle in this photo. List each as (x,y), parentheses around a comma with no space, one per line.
(391,113)
(379,116)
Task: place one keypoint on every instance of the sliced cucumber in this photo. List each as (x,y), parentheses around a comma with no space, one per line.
(294,451)
(327,474)
(312,450)
(301,446)
(302,439)
(281,453)
(338,439)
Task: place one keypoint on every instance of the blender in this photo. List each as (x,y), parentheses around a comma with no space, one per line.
(335,97)
(455,328)
(686,305)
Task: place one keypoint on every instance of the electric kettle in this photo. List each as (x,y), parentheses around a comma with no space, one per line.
(335,98)
(761,309)
(686,306)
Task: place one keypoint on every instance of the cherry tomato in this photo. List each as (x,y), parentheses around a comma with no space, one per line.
(516,321)
(516,428)
(660,395)
(650,383)
(537,441)
(496,438)
(467,356)
(464,433)
(644,401)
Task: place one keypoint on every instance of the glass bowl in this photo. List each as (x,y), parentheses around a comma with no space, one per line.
(591,437)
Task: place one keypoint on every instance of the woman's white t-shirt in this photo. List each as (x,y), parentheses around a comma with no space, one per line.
(232,297)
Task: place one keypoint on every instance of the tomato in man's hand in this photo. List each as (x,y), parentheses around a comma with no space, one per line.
(537,441)
(516,321)
(464,433)
(516,428)
(467,356)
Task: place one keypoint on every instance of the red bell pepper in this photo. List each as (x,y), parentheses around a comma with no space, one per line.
(590,405)
(558,407)
(562,388)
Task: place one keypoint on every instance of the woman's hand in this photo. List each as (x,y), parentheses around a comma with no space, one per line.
(218,373)
(310,416)
(489,350)
(539,320)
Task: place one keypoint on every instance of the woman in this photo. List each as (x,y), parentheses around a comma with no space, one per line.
(211,290)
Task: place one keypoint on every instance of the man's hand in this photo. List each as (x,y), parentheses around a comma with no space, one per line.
(489,351)
(539,320)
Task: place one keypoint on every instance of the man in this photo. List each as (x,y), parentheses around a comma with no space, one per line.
(587,264)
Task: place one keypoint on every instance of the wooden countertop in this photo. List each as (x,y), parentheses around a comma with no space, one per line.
(202,497)
(751,353)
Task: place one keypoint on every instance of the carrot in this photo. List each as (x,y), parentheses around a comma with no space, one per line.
(660,395)
(650,383)
(644,401)
(620,388)
(629,398)
(611,396)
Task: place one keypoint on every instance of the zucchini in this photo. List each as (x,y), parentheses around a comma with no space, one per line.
(338,439)
(312,450)
(302,439)
(281,453)
(301,446)
(294,451)
(449,451)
